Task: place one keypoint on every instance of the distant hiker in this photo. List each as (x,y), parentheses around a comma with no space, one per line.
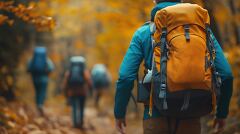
(185,60)
(77,81)
(40,66)
(101,81)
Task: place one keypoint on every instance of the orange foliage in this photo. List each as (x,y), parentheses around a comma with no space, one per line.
(27,14)
(120,19)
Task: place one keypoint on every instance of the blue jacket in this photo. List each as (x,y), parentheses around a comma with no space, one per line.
(140,49)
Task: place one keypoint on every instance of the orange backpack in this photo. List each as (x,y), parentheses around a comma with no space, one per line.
(184,77)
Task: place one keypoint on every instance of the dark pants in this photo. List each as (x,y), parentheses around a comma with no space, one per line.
(40,93)
(78,103)
(162,126)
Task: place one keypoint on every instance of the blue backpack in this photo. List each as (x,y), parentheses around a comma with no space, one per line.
(38,63)
(100,76)
(76,77)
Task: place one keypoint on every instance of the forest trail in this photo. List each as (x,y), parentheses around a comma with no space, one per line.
(21,118)
(60,122)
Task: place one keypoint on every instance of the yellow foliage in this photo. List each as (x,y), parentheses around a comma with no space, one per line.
(119,19)
(27,14)
(79,45)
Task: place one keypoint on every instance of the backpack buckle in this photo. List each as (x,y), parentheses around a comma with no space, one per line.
(163,86)
(164,32)
(162,93)
(187,32)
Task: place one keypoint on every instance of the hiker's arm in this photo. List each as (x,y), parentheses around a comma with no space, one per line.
(223,67)
(64,83)
(87,77)
(127,74)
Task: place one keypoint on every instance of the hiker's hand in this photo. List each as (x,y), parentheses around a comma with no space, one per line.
(121,125)
(218,125)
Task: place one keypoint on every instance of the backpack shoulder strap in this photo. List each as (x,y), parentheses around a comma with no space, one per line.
(152,31)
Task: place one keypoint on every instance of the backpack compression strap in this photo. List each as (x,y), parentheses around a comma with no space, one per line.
(212,52)
(163,69)
(216,80)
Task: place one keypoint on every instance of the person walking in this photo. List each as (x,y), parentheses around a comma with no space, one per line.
(77,81)
(101,81)
(40,66)
(162,114)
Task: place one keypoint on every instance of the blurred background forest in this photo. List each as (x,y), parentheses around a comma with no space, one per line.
(101,31)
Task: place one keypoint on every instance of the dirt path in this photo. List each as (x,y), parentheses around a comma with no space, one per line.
(19,118)
(58,120)
(60,123)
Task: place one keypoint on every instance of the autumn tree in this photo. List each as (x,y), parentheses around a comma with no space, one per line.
(19,23)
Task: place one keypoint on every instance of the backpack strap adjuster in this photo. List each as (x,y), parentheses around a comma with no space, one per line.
(187,32)
(164,32)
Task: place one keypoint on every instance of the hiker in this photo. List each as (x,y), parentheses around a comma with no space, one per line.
(163,114)
(101,81)
(76,83)
(40,66)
